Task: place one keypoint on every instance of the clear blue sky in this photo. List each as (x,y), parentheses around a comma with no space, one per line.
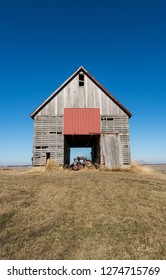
(121,43)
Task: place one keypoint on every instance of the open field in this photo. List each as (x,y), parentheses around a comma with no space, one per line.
(159,167)
(82,215)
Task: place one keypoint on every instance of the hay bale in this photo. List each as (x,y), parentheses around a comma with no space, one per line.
(52,165)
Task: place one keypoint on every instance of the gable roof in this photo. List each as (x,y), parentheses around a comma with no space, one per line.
(80,69)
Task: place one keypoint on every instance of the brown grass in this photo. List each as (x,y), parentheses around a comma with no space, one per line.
(82,215)
(136,167)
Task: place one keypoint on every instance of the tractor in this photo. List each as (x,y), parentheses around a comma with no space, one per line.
(80,162)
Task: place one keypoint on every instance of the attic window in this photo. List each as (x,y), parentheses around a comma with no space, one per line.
(81,80)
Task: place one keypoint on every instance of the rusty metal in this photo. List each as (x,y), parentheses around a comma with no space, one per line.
(80,162)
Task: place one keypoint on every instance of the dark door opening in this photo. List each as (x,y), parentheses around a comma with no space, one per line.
(47,157)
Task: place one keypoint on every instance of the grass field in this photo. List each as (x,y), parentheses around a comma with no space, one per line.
(82,215)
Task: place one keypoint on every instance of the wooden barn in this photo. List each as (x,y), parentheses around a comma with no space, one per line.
(81,113)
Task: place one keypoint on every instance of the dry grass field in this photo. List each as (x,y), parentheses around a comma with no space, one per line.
(82,215)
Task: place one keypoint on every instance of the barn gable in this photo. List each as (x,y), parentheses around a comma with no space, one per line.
(81,113)
(73,94)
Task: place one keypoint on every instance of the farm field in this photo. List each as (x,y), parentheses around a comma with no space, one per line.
(159,167)
(82,215)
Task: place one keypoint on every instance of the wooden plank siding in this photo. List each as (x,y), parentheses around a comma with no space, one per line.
(112,150)
(48,138)
(117,124)
(88,96)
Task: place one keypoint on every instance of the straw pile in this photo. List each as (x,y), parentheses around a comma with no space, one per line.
(52,165)
(136,167)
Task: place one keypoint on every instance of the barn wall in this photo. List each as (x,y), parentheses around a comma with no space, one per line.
(48,139)
(120,125)
(112,150)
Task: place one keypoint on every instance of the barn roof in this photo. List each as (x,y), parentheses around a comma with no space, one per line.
(80,69)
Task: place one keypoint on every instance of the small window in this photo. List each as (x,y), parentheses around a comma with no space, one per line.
(81,80)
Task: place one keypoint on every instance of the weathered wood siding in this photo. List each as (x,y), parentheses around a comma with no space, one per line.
(48,138)
(112,150)
(87,96)
(120,125)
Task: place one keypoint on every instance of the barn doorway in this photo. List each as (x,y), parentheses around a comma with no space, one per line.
(89,144)
(85,152)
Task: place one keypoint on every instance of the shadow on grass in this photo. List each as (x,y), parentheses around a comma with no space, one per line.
(6,218)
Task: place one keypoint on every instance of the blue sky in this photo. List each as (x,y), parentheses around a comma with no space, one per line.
(121,43)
